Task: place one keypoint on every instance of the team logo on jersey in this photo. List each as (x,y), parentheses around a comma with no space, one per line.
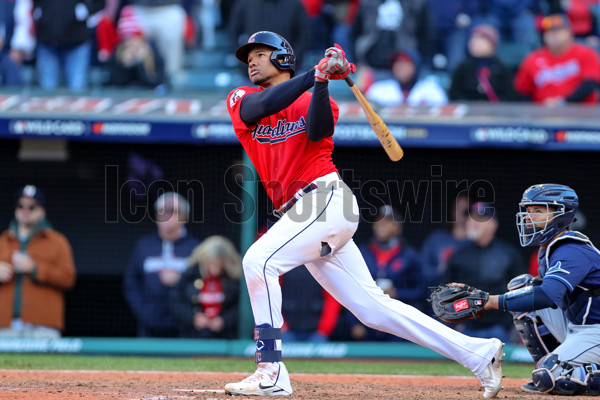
(558,73)
(236,96)
(557,268)
(279,133)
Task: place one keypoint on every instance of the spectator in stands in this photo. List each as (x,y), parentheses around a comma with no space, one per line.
(136,61)
(286,17)
(561,71)
(209,16)
(156,265)
(395,266)
(486,262)
(482,75)
(514,20)
(584,25)
(205,301)
(64,41)
(163,23)
(385,26)
(107,37)
(36,268)
(310,313)
(17,41)
(452,19)
(405,86)
(341,16)
(440,244)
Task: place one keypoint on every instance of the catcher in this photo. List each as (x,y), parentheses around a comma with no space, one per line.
(557,313)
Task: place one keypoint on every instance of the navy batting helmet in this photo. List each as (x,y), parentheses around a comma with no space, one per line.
(283,56)
(560,197)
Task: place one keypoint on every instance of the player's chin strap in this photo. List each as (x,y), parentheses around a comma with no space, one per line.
(268,344)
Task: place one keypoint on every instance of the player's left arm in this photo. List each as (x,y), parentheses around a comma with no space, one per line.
(258,105)
(568,267)
(319,119)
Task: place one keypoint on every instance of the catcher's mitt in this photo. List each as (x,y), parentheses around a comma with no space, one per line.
(454,303)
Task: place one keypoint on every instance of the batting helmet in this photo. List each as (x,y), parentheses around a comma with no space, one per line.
(561,197)
(283,56)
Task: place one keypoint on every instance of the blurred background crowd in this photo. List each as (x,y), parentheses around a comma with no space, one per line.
(180,284)
(408,51)
(177,285)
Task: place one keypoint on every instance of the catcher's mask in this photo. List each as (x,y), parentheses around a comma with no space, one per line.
(564,203)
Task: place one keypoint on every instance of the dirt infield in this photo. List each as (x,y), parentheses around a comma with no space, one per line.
(114,385)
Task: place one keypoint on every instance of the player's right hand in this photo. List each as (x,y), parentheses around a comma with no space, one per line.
(326,67)
(346,67)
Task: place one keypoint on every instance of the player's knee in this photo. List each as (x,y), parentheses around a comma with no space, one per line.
(561,378)
(371,320)
(252,265)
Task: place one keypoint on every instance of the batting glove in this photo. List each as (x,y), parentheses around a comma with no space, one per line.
(345,66)
(326,67)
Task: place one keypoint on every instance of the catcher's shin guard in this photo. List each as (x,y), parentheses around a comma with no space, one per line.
(535,335)
(561,378)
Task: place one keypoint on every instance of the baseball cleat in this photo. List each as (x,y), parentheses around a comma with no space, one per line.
(491,377)
(530,387)
(270,379)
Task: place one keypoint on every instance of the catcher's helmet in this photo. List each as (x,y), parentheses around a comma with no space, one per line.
(561,197)
(283,56)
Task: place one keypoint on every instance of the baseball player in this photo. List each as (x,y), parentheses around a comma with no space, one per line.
(287,133)
(558,313)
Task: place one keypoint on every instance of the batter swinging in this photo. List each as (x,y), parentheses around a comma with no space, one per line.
(287,133)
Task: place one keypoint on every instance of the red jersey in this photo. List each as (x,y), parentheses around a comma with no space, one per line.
(285,159)
(543,75)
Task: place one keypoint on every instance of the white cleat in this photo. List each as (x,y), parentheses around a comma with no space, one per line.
(270,379)
(491,377)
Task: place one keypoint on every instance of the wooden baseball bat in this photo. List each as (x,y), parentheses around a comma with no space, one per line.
(389,143)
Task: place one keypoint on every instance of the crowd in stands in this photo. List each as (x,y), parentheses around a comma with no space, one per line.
(177,285)
(416,52)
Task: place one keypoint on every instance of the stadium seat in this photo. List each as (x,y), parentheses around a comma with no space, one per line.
(512,53)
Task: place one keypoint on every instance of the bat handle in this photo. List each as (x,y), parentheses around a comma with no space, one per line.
(349,80)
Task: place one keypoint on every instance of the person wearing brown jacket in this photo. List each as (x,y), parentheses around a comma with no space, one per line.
(36,267)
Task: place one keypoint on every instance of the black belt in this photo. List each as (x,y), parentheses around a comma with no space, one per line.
(287,206)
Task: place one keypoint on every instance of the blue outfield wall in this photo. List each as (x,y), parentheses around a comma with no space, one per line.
(232,348)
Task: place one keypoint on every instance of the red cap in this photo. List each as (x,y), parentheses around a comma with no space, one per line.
(554,21)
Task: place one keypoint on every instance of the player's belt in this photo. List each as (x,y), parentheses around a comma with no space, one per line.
(287,206)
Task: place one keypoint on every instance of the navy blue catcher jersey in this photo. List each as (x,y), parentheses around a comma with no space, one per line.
(573,267)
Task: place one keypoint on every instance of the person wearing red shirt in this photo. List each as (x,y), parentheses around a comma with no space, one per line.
(562,71)
(287,133)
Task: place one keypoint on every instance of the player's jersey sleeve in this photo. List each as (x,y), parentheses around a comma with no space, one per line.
(568,266)
(234,102)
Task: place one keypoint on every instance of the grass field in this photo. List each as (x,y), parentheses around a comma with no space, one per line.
(314,366)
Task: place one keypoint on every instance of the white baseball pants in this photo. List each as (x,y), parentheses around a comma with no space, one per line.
(330,214)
